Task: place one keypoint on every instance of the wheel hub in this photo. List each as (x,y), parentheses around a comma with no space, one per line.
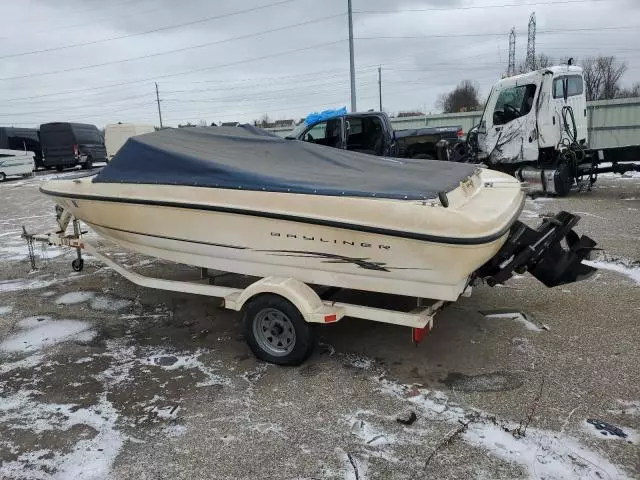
(274,332)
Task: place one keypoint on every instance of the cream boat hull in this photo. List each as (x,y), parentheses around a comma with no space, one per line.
(404,247)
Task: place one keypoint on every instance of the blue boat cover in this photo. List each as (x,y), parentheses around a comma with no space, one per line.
(316,117)
(248,158)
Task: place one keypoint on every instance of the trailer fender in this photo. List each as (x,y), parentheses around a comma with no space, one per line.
(298,293)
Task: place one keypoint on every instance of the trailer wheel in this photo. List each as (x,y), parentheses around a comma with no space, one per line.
(3,177)
(423,156)
(276,331)
(59,168)
(77,264)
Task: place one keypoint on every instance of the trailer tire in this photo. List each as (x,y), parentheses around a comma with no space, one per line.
(3,177)
(59,168)
(423,156)
(276,331)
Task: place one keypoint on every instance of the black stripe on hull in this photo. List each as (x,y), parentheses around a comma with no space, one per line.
(236,247)
(293,218)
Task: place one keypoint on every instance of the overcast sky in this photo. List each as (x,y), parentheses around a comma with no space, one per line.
(91,72)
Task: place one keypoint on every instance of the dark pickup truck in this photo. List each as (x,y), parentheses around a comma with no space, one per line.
(372,133)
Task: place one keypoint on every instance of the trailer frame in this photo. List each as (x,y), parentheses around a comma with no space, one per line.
(312,309)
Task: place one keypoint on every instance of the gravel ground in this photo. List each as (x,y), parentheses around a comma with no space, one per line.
(102,379)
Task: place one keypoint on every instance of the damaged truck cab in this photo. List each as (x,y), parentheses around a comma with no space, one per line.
(534,126)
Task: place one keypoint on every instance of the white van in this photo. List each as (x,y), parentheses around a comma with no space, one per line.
(16,163)
(117,134)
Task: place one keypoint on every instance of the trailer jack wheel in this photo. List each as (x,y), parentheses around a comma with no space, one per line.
(77,264)
(276,331)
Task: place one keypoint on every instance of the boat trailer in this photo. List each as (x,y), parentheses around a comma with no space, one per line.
(277,312)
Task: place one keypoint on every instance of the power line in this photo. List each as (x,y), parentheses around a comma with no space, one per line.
(177,50)
(500,34)
(474,7)
(154,30)
(96,21)
(77,107)
(184,72)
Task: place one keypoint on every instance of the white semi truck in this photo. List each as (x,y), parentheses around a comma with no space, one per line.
(535,126)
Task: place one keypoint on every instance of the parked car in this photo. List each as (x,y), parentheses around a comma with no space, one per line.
(372,133)
(25,139)
(66,145)
(117,134)
(15,163)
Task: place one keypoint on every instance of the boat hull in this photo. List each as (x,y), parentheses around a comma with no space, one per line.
(294,240)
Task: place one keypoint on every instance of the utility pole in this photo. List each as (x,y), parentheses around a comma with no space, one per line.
(351,61)
(380,85)
(158,100)
(511,69)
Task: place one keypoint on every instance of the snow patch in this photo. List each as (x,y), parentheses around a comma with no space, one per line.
(126,357)
(73,298)
(165,413)
(23,284)
(29,362)
(628,407)
(174,431)
(632,435)
(187,361)
(6,309)
(544,453)
(368,433)
(518,317)
(106,303)
(256,374)
(632,272)
(358,361)
(90,458)
(22,252)
(40,332)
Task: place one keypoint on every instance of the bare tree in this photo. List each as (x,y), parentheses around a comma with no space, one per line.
(541,61)
(602,76)
(612,72)
(264,121)
(592,78)
(202,123)
(464,98)
(632,92)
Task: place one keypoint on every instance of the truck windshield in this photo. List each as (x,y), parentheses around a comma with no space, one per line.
(297,131)
(513,102)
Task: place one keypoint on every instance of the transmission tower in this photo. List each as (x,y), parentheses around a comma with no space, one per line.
(531,43)
(511,69)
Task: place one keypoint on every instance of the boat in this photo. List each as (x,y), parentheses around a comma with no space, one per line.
(242,200)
